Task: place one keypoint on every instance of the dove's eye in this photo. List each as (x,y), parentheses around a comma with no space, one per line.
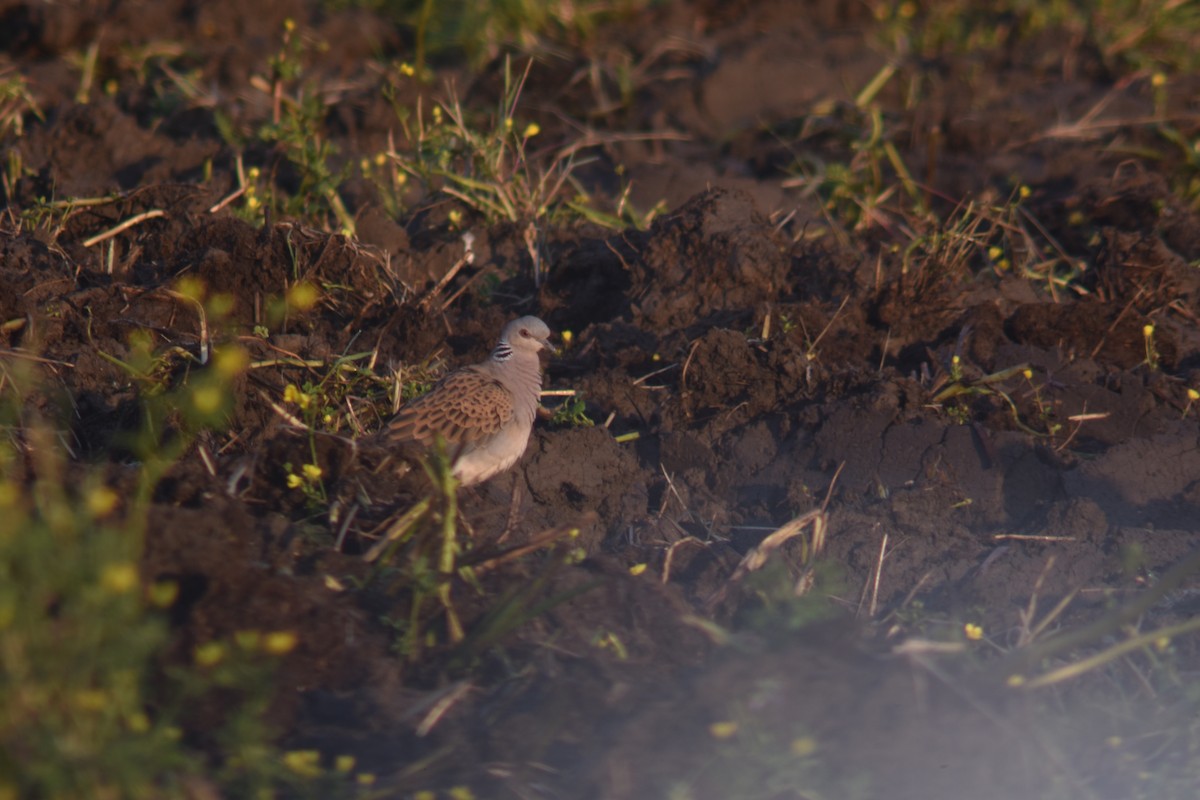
(525,332)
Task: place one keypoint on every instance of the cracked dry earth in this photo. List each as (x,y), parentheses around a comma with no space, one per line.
(767,374)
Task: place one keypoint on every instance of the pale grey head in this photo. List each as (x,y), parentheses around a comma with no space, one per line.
(524,335)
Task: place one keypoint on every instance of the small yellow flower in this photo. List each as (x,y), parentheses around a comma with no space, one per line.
(1193,394)
(1028,373)
(804,746)
(637,569)
(722,730)
(532,130)
(279,643)
(248,639)
(252,202)
(344,763)
(368,778)
(303,296)
(567,338)
(907,10)
(91,700)
(231,361)
(163,594)
(191,287)
(209,653)
(994,253)
(1015,680)
(294,481)
(508,123)
(101,501)
(364,166)
(119,578)
(207,399)
(291,394)
(455,217)
(306,763)
(1162,643)
(1158,79)
(974,632)
(381,159)
(461,793)
(407,70)
(253,173)
(138,722)
(1024,191)
(289,24)
(312,472)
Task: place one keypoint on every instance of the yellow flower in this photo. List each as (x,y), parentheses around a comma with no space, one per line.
(637,569)
(279,643)
(1147,330)
(101,501)
(722,730)
(119,578)
(248,639)
(306,763)
(303,296)
(367,778)
(407,70)
(974,632)
(804,746)
(461,793)
(231,361)
(252,202)
(312,472)
(91,699)
(343,763)
(294,481)
(209,653)
(532,130)
(1158,79)
(1193,394)
(380,159)
(163,593)
(191,287)
(207,399)
(994,253)
(1024,191)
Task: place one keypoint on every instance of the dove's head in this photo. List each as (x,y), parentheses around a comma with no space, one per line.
(526,334)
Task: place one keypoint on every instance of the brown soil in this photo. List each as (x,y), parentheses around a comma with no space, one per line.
(738,432)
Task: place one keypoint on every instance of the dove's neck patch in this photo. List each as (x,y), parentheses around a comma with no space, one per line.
(503,351)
